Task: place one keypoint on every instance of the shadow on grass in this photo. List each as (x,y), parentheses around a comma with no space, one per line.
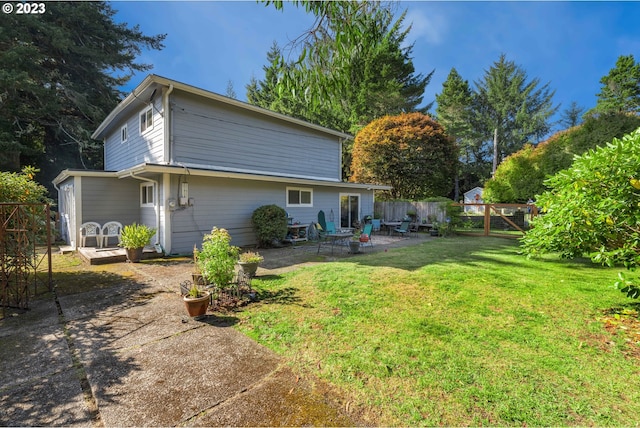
(268,292)
(459,250)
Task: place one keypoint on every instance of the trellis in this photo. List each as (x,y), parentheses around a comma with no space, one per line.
(25,253)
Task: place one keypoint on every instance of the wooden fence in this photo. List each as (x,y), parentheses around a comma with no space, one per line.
(397,210)
(475,219)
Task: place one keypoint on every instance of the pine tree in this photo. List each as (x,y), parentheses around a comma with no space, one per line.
(620,90)
(512,110)
(354,67)
(59,77)
(571,115)
(455,113)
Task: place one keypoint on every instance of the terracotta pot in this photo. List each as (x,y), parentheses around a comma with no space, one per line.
(196,306)
(364,238)
(134,254)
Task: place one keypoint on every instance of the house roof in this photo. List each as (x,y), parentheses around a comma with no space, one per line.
(147,90)
(147,169)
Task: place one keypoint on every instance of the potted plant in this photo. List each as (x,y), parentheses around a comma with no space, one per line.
(217,258)
(134,238)
(354,243)
(196,299)
(249,262)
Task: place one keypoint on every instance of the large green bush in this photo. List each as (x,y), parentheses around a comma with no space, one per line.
(521,176)
(218,258)
(593,208)
(21,187)
(269,223)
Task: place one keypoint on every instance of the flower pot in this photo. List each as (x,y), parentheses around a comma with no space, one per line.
(197,306)
(134,254)
(249,268)
(434,232)
(354,247)
(364,238)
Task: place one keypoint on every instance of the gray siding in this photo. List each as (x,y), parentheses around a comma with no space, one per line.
(110,199)
(229,204)
(138,149)
(216,135)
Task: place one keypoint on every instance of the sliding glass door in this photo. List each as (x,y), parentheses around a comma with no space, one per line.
(349,209)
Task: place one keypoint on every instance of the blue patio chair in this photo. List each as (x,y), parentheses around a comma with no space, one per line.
(367,231)
(376,225)
(403,229)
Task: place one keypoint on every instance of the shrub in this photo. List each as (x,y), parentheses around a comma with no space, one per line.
(270,223)
(521,176)
(410,152)
(136,236)
(21,187)
(593,208)
(218,257)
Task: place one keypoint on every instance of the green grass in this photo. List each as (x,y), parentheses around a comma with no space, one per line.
(456,331)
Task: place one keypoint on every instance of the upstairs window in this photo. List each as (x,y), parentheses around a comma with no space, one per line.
(299,197)
(146,120)
(123,134)
(146,195)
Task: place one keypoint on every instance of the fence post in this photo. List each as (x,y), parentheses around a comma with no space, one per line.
(487,219)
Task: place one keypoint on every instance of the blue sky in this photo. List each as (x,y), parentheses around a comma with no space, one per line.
(571,45)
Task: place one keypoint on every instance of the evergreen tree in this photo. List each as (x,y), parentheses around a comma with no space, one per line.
(455,113)
(620,88)
(59,74)
(571,115)
(354,67)
(512,110)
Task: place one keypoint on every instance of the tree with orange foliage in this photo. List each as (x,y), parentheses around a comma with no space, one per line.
(410,152)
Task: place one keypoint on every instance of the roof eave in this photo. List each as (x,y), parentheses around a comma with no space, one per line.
(153,78)
(175,169)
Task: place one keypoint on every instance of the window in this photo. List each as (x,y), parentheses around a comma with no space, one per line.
(146,195)
(146,120)
(123,134)
(299,197)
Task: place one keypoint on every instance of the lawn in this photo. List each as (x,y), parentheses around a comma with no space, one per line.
(458,331)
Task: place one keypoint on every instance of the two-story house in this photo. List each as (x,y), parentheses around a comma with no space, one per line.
(182,160)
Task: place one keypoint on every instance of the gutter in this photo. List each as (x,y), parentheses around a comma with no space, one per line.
(166,108)
(156,195)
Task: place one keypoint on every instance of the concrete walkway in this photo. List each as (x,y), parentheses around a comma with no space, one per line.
(127,355)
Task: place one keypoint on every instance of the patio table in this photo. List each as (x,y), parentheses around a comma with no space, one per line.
(335,237)
(390,225)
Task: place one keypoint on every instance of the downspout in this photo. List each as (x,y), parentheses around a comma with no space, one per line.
(166,108)
(156,195)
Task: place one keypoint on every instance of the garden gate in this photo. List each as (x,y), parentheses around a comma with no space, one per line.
(25,253)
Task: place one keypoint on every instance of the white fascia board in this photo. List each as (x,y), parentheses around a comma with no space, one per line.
(65,174)
(160,169)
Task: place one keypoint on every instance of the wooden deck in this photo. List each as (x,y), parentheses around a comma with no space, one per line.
(100,256)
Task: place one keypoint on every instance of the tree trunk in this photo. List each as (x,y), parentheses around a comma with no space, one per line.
(495,152)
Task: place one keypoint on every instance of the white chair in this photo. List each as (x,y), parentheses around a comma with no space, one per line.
(91,229)
(111,229)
